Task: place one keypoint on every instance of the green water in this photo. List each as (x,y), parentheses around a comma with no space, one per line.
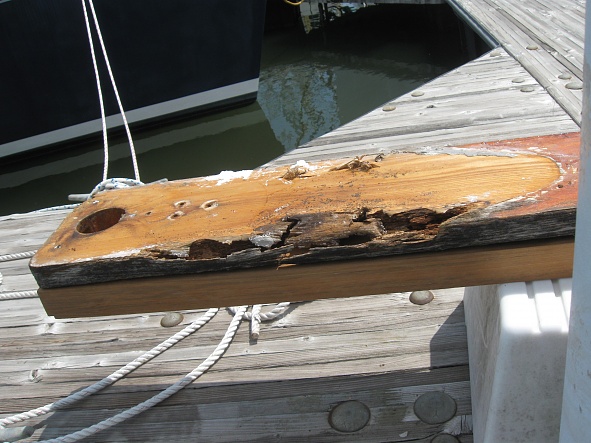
(310,83)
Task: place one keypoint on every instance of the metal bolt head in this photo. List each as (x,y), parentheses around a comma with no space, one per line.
(421,297)
(349,416)
(444,438)
(389,108)
(575,86)
(171,319)
(435,407)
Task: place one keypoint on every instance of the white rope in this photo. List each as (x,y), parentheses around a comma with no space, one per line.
(115,376)
(114,183)
(256,316)
(255,322)
(16,294)
(112,77)
(100,94)
(17,256)
(57,208)
(279,309)
(168,392)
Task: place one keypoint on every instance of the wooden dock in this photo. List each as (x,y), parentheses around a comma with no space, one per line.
(380,350)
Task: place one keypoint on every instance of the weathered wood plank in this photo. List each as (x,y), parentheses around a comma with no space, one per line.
(514,29)
(402,203)
(469,266)
(318,353)
(301,411)
(480,101)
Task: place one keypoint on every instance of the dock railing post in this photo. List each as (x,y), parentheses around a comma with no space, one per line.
(575,426)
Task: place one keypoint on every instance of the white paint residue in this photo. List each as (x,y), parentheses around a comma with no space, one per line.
(122,254)
(227,176)
(281,208)
(305,164)
(472,198)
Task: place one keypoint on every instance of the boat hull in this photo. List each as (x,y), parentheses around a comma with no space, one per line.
(168,58)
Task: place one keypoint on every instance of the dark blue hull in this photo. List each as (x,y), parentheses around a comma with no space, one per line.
(168,58)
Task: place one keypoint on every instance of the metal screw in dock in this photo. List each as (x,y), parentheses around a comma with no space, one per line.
(435,407)
(349,416)
(574,86)
(421,297)
(444,438)
(171,319)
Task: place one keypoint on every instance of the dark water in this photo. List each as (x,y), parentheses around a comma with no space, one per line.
(310,83)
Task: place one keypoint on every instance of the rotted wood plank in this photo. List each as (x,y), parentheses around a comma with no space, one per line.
(523,261)
(405,202)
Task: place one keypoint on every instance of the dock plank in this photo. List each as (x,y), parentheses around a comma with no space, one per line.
(479,101)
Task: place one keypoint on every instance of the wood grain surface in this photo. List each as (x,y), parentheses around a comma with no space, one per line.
(463,197)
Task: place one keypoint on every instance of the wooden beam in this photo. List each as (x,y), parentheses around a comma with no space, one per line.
(402,203)
(523,261)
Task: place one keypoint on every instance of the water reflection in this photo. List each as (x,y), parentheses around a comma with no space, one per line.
(309,84)
(308,107)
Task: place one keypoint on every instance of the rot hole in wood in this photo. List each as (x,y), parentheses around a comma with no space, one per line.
(99,221)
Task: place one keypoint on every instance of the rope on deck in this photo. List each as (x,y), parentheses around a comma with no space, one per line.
(17,256)
(115,376)
(168,392)
(256,316)
(15,295)
(240,313)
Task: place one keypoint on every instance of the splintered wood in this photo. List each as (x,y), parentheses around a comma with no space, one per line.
(311,214)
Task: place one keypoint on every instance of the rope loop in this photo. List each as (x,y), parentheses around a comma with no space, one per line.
(256,316)
(114,183)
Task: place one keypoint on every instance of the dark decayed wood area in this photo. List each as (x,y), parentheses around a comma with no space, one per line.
(287,218)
